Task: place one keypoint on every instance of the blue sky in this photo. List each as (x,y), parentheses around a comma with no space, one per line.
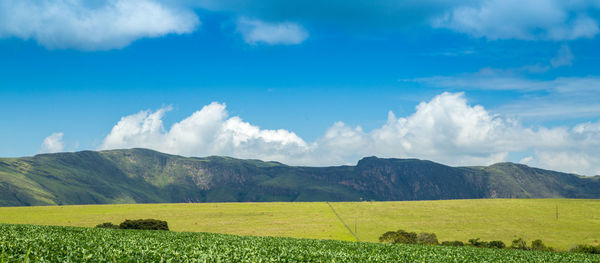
(303,82)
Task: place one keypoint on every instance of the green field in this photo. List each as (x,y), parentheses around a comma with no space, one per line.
(488,219)
(27,243)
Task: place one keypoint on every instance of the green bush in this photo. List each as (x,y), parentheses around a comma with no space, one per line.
(399,236)
(402,236)
(427,238)
(586,249)
(519,243)
(455,243)
(388,237)
(144,224)
(107,225)
(496,244)
(478,243)
(407,237)
(539,245)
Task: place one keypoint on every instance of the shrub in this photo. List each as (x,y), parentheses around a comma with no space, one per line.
(539,245)
(145,224)
(519,243)
(399,236)
(496,244)
(407,237)
(455,243)
(388,237)
(586,249)
(478,243)
(107,225)
(427,238)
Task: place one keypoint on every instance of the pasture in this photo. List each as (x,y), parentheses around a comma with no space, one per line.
(489,219)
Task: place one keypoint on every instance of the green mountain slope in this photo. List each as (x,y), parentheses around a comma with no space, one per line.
(146,176)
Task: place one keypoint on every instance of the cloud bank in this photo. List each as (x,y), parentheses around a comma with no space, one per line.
(255,31)
(445,129)
(527,20)
(102,25)
(92,25)
(554,20)
(53,143)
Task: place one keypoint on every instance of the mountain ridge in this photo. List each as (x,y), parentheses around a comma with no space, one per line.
(146,176)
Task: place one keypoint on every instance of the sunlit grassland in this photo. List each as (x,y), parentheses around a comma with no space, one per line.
(302,220)
(489,219)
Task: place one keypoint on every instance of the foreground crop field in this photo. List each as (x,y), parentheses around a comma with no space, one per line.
(20,243)
(491,219)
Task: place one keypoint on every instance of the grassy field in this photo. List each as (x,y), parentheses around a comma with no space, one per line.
(488,219)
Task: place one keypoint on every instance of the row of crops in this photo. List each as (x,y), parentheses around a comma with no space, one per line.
(23,243)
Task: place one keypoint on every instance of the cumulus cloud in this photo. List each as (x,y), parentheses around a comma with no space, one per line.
(92,25)
(526,20)
(256,31)
(209,131)
(53,143)
(446,129)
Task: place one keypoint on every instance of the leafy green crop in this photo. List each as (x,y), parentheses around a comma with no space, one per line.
(28,243)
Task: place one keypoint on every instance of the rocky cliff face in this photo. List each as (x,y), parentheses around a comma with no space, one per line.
(412,179)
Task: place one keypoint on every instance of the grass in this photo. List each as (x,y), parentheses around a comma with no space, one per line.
(488,219)
(301,220)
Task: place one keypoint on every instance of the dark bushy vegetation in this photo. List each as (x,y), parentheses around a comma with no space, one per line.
(539,245)
(455,243)
(399,236)
(519,243)
(107,225)
(496,244)
(404,237)
(586,249)
(427,238)
(144,224)
(491,244)
(478,243)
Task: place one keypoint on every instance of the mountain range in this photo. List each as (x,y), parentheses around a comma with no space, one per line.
(147,176)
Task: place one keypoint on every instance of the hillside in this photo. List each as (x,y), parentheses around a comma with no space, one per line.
(146,176)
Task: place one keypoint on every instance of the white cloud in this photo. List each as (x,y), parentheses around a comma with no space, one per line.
(88,25)
(445,129)
(560,98)
(256,31)
(102,25)
(563,58)
(53,143)
(527,20)
(208,131)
